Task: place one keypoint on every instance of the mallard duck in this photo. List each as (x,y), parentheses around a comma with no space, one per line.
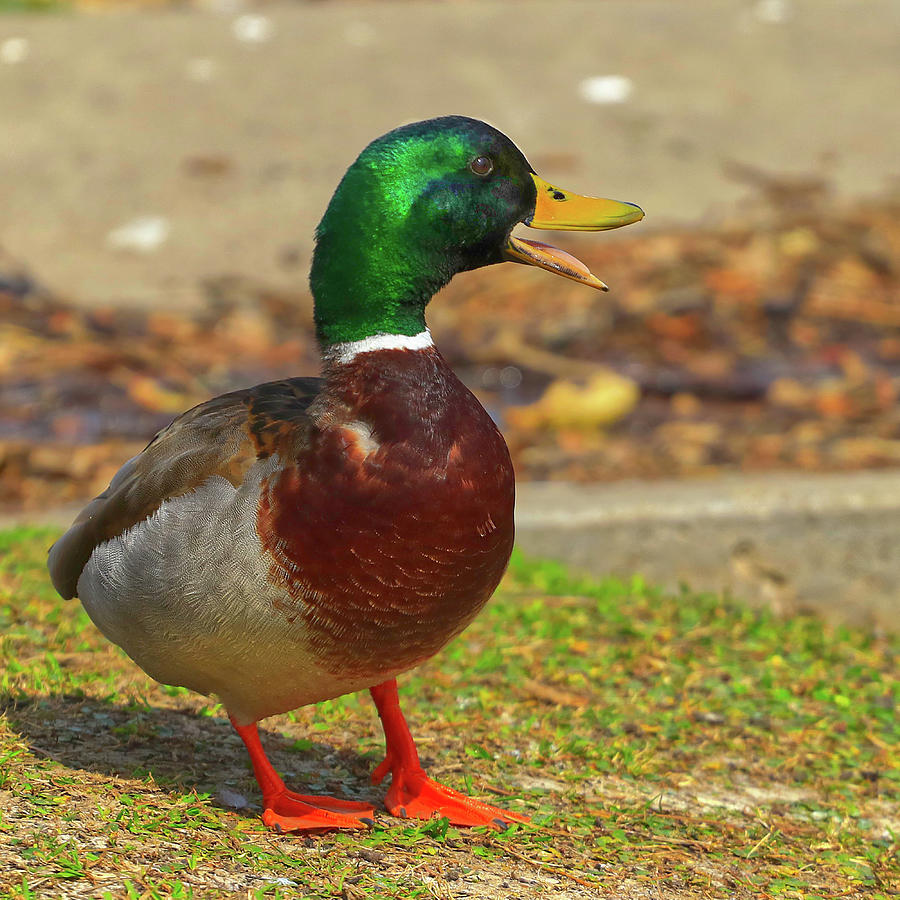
(307,538)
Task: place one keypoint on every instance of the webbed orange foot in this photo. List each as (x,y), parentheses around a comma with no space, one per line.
(412,793)
(287,811)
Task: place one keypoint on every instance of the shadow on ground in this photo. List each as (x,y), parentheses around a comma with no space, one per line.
(183,751)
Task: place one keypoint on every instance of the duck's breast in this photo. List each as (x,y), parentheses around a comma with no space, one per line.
(395,526)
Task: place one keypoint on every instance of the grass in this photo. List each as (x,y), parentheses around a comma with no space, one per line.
(33,6)
(664,745)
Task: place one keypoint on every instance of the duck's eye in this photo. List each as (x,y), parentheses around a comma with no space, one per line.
(482,165)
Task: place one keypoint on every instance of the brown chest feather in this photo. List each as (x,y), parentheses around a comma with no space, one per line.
(393,527)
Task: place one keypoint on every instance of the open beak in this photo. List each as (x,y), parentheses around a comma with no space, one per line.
(559,210)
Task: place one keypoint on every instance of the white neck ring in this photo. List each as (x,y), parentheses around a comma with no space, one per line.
(347,351)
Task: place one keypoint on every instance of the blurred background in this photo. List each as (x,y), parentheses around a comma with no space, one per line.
(163,166)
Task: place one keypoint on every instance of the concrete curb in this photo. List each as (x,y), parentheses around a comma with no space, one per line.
(825,543)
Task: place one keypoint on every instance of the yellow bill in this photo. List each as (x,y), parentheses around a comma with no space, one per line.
(559,210)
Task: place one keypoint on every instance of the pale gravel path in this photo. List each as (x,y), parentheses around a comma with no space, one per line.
(238,145)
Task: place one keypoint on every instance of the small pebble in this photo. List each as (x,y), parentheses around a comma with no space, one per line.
(252,29)
(606,89)
(14,50)
(232,799)
(143,234)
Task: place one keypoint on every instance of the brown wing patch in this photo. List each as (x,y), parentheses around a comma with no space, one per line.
(277,415)
(223,436)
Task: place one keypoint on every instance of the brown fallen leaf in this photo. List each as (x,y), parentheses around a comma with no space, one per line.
(553,694)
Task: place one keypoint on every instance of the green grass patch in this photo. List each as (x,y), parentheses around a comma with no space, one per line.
(664,745)
(34,6)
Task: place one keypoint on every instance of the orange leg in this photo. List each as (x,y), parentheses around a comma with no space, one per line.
(412,793)
(284,810)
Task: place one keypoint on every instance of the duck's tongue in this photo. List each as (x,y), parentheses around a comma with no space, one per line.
(559,210)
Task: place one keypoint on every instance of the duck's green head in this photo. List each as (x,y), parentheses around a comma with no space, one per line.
(424,202)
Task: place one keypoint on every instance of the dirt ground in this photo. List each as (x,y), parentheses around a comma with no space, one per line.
(147,152)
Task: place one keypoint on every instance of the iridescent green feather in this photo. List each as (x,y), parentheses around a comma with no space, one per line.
(407,216)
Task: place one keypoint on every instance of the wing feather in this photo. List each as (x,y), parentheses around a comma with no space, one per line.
(223,437)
